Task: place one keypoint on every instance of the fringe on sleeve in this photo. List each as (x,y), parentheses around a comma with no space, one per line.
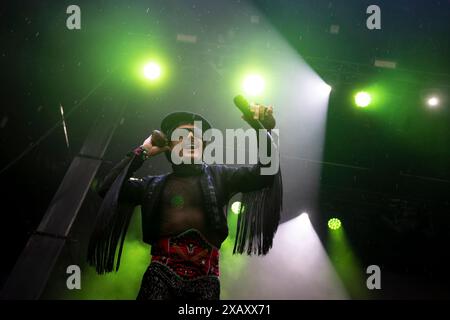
(110,228)
(258,219)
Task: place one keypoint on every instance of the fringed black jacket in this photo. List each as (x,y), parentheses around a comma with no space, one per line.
(121,192)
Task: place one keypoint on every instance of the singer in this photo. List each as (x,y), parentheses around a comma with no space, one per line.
(184,214)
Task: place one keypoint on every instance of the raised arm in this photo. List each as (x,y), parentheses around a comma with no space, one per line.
(121,193)
(252,178)
(132,189)
(262,193)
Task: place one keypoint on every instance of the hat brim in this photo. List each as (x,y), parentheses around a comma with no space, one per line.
(176,119)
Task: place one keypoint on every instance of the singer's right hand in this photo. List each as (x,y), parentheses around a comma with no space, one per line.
(156,143)
(263,114)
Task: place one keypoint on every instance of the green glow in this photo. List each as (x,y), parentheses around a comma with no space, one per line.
(334,223)
(253,85)
(346,264)
(177,201)
(230,264)
(363,99)
(125,284)
(152,71)
(121,285)
(236,207)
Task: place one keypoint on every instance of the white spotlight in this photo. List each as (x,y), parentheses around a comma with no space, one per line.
(304,217)
(433,102)
(321,89)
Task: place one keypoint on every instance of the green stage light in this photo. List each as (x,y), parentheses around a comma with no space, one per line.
(433,101)
(236,207)
(334,223)
(152,71)
(253,85)
(362,99)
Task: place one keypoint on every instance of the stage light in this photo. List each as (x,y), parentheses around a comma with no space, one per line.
(322,89)
(304,217)
(236,207)
(152,71)
(253,85)
(433,101)
(334,223)
(362,99)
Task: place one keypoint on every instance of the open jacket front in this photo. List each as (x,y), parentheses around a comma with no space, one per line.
(256,226)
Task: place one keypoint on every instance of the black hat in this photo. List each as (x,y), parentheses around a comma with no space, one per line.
(176,119)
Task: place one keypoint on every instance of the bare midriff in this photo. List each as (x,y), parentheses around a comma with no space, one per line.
(182,209)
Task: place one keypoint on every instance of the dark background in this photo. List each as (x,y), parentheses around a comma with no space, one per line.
(392,186)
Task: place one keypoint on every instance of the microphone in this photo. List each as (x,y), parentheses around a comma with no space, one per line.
(243,105)
(159,139)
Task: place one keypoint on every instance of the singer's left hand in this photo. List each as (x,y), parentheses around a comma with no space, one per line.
(263,114)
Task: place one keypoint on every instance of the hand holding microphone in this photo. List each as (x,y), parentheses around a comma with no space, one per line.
(256,115)
(156,143)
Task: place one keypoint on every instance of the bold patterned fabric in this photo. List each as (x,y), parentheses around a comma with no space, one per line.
(161,283)
(185,266)
(189,255)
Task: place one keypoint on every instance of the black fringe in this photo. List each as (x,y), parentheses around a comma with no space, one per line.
(110,228)
(258,219)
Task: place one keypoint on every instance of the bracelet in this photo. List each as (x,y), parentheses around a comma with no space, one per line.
(141,152)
